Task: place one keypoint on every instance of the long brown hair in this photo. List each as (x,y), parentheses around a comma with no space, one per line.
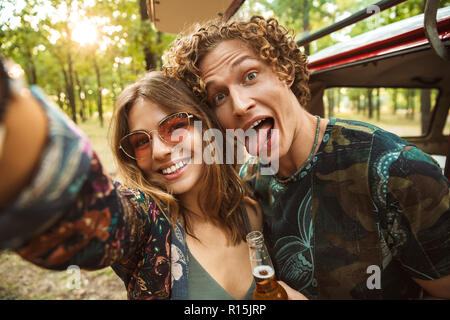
(222,191)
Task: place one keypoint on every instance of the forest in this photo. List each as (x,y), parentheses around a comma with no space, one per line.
(84,52)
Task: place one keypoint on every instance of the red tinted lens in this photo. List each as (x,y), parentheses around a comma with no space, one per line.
(138,145)
(174,128)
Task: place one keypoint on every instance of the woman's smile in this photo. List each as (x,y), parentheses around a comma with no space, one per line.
(175,169)
(172,163)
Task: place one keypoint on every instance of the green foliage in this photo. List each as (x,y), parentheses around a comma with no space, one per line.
(305,17)
(38,34)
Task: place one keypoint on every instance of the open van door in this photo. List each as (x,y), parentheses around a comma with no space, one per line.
(177,16)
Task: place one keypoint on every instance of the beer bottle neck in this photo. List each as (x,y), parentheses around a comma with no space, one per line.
(263,271)
(259,255)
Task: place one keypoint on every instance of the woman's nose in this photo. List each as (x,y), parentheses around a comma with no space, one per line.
(160,149)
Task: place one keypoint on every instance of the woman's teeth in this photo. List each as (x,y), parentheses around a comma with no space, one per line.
(174,168)
(257,122)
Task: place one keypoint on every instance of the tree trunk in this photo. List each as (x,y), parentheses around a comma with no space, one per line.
(90,107)
(338,104)
(306,24)
(150,59)
(410,103)
(159,56)
(358,103)
(394,98)
(99,92)
(82,98)
(119,72)
(31,68)
(378,104)
(70,95)
(425,107)
(71,89)
(369,102)
(150,63)
(69,76)
(330,98)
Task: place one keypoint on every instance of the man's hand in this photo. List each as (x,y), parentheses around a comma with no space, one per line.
(438,289)
(292,294)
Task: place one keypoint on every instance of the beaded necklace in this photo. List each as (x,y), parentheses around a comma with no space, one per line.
(316,139)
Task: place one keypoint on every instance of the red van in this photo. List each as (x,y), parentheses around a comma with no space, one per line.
(400,59)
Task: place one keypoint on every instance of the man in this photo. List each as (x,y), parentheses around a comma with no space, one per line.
(354,212)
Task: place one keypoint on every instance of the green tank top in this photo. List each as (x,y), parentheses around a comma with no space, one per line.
(203,287)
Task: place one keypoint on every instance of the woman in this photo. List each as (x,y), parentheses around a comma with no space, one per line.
(169,214)
(208,200)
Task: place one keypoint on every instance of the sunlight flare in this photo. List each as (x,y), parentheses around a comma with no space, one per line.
(85,32)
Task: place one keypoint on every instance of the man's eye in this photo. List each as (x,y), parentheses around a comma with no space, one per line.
(251,76)
(218,98)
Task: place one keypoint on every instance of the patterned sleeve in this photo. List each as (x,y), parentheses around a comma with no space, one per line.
(71,212)
(419,216)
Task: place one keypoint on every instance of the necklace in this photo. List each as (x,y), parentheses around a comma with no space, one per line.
(286,180)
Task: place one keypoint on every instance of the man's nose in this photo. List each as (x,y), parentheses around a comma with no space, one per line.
(160,149)
(242,102)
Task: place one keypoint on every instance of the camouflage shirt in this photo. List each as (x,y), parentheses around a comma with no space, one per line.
(369,212)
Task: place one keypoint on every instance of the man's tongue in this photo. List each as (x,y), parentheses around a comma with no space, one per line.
(253,145)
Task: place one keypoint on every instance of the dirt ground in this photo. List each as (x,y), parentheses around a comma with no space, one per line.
(21,280)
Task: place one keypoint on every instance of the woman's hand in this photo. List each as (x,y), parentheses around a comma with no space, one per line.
(26,132)
(292,294)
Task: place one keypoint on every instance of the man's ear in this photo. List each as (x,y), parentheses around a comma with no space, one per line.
(289,82)
(291,79)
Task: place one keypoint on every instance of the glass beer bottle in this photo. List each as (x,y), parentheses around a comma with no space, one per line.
(267,288)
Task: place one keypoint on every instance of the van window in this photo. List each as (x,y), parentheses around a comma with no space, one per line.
(403,111)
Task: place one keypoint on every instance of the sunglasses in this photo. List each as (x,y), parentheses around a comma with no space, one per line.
(172,130)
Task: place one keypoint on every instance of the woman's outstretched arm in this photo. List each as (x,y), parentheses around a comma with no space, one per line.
(60,207)
(25,132)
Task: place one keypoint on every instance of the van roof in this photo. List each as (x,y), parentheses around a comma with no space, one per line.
(395,37)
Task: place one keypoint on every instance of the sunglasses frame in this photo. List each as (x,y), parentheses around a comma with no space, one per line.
(148,133)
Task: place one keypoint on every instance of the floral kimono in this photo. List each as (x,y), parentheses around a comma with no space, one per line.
(72,213)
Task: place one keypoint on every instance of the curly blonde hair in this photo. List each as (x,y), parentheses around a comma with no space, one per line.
(272,42)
